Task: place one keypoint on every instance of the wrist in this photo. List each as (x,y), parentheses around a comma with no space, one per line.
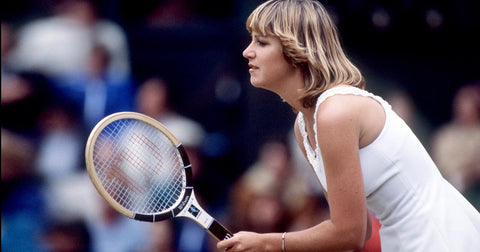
(273,242)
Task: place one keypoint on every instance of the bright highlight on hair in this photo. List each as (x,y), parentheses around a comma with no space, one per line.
(310,41)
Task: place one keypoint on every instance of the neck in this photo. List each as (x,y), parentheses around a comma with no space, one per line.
(291,96)
(290,89)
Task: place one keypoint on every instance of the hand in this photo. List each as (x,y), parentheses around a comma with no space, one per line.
(242,242)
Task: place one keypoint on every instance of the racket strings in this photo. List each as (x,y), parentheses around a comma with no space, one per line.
(138,166)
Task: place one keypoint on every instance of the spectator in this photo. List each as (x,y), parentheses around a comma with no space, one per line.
(456,145)
(23,205)
(161,236)
(68,189)
(172,12)
(23,93)
(60,44)
(6,49)
(402,103)
(152,99)
(112,231)
(269,192)
(72,236)
(61,144)
(95,93)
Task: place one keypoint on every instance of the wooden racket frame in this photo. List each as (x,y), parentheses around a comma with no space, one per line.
(186,205)
(187,192)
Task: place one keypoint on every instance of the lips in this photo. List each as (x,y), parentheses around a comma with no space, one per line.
(252,67)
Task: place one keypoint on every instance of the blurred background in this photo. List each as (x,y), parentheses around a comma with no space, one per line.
(68,63)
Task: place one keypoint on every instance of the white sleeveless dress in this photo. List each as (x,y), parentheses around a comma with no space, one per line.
(417,208)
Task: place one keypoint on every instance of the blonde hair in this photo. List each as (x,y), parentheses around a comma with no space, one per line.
(310,41)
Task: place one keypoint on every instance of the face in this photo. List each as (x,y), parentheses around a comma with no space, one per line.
(268,67)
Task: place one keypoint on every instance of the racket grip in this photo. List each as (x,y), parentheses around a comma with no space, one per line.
(218,231)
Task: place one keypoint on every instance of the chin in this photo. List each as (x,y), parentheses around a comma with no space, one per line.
(258,86)
(256,83)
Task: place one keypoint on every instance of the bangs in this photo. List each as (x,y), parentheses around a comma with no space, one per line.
(261,20)
(277,18)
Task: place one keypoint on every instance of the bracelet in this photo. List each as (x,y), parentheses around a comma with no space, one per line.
(283,241)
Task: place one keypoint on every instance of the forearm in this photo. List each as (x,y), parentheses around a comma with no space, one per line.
(325,236)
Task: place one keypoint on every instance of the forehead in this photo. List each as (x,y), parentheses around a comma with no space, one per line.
(259,35)
(261,21)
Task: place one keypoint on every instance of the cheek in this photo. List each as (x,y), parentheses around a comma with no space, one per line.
(280,69)
(281,62)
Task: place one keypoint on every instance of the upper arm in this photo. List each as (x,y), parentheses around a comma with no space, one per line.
(338,134)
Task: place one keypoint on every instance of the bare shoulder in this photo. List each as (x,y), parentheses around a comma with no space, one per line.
(340,108)
(361,115)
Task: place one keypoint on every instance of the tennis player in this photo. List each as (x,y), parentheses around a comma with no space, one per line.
(364,155)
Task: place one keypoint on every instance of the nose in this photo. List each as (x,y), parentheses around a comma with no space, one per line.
(248,52)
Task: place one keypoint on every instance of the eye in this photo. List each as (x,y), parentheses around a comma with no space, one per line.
(261,43)
(260,40)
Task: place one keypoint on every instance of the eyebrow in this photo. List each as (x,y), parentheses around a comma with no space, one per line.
(258,36)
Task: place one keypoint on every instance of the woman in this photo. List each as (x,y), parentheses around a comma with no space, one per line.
(364,155)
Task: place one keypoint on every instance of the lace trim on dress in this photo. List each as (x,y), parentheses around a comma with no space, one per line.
(311,155)
(314,155)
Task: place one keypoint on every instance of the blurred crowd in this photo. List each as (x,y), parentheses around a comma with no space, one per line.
(63,72)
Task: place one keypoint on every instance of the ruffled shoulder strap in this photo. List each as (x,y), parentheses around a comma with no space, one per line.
(344,90)
(325,95)
(347,90)
(313,153)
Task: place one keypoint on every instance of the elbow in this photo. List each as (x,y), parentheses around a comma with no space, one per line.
(356,234)
(356,244)
(355,239)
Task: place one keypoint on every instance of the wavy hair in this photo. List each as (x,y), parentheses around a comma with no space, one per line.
(310,41)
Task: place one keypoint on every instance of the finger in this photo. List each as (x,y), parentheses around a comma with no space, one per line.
(225,244)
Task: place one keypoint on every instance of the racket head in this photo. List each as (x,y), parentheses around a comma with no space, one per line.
(139,167)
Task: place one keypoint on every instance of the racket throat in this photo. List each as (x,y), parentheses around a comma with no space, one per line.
(193,211)
(198,214)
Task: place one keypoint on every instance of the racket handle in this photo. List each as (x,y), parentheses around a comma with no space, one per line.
(218,231)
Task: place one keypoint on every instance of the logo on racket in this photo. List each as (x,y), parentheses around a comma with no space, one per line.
(193,210)
(184,203)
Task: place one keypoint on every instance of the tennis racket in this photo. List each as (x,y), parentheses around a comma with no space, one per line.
(143,171)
